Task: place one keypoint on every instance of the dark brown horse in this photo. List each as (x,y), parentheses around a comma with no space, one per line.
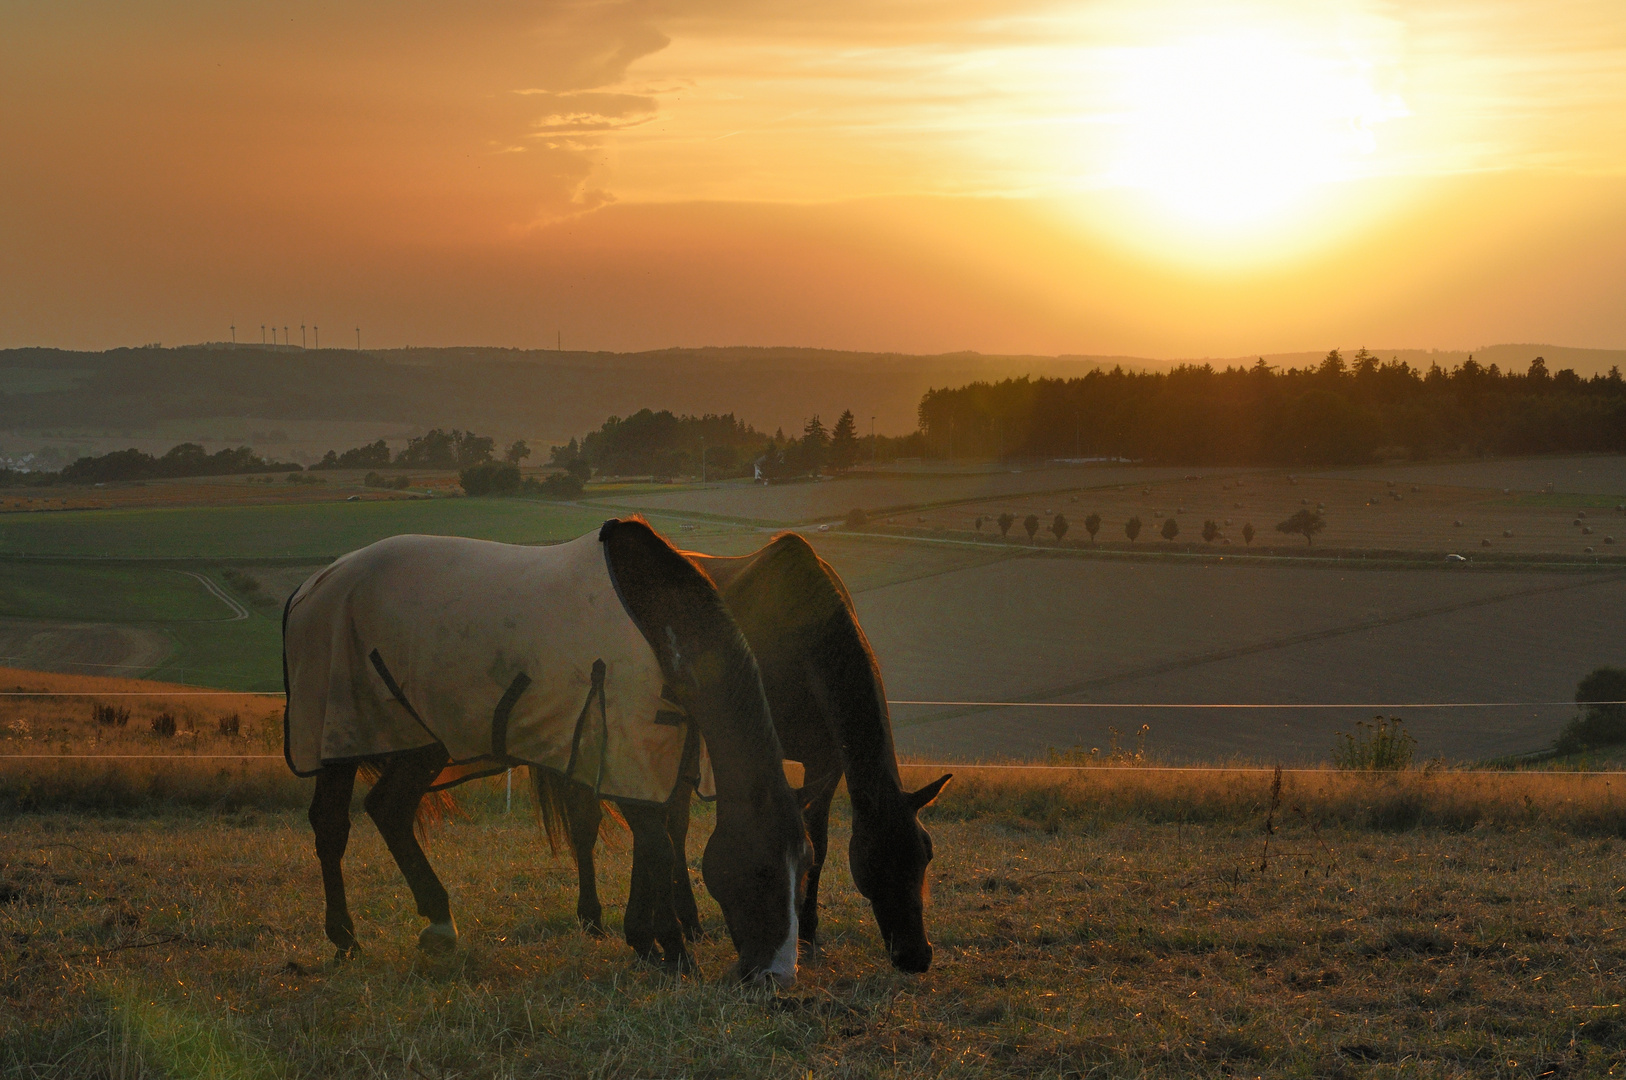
(756,859)
(829,708)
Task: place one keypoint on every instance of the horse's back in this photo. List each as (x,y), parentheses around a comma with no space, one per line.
(489,649)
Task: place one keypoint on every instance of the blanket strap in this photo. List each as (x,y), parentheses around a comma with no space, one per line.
(499,718)
(595,691)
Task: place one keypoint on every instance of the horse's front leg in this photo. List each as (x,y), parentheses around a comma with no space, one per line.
(650,917)
(816,816)
(677,828)
(583,816)
(393,806)
(330,821)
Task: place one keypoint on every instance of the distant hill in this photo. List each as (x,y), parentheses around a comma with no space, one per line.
(531,392)
(549,395)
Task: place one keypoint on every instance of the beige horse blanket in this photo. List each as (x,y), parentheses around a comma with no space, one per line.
(503,654)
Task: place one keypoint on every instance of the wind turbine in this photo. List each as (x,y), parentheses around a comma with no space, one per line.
(301,335)
(234,334)
(358,339)
(262,333)
(316,332)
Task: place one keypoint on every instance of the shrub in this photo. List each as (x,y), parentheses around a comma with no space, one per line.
(1006,520)
(1031,524)
(1171,528)
(557,486)
(1211,531)
(1247,533)
(1092,525)
(1381,744)
(231,725)
(1304,522)
(1132,528)
(490,478)
(1059,527)
(1596,725)
(110,715)
(163,725)
(857,517)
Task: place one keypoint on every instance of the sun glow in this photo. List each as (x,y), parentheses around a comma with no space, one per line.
(1229,131)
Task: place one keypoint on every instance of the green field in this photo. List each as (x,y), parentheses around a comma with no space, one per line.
(105,594)
(317,530)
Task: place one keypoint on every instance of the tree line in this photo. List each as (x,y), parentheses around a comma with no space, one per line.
(1337,412)
(664,445)
(185,459)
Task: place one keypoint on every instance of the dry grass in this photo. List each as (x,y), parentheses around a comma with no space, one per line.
(1119,923)
(124,762)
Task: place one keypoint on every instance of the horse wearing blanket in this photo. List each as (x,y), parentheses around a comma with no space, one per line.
(603,660)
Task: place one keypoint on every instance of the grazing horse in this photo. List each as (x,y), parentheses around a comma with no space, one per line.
(829,707)
(438,659)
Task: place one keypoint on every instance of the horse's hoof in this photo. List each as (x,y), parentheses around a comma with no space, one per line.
(594,928)
(340,955)
(680,965)
(438,937)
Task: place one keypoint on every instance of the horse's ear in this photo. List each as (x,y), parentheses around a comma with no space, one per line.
(923,798)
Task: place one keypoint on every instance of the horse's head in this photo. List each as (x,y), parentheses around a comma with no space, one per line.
(755,866)
(888,855)
(757,858)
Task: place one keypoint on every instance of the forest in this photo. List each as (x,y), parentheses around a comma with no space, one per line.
(1341,411)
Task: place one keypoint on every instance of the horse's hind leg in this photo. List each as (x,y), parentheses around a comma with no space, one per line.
(583,816)
(393,806)
(677,828)
(330,821)
(650,918)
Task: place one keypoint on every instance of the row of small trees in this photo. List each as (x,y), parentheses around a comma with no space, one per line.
(1304,522)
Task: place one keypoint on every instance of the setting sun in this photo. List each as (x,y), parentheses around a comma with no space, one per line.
(1234,130)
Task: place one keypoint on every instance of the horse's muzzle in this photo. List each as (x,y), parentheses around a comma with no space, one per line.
(913,959)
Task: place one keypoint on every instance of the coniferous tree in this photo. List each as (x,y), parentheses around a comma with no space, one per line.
(815,445)
(844,442)
(1132,528)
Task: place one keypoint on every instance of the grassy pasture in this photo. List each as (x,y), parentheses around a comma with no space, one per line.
(1116,923)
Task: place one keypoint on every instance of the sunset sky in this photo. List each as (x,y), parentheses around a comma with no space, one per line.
(1161,178)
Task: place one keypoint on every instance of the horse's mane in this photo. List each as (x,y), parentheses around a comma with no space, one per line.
(786,586)
(687,597)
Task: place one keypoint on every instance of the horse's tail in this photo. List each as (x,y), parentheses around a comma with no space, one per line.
(554,796)
(433,808)
(551,808)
